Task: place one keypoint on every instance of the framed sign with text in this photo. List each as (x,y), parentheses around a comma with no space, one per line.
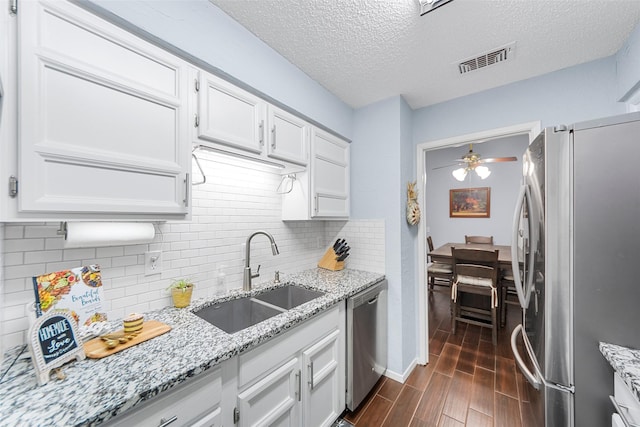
(54,341)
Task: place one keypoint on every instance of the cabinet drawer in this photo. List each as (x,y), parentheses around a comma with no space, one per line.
(626,401)
(266,357)
(194,403)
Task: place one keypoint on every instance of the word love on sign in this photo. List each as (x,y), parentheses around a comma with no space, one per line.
(53,342)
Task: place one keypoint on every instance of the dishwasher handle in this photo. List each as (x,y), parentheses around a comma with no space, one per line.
(368,296)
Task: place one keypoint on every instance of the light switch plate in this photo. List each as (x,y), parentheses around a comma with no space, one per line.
(152,263)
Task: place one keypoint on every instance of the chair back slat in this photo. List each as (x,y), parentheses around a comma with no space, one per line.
(485,240)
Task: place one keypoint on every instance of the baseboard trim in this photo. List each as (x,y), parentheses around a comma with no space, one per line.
(402,377)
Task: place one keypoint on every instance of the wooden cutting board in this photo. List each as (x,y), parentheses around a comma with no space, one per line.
(97,348)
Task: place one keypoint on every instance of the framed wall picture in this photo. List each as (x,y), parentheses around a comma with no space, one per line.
(470,202)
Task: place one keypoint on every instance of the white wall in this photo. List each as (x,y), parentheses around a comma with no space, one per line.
(237,199)
(504,183)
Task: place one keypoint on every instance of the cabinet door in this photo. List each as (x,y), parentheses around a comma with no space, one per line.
(230,115)
(272,401)
(196,403)
(321,382)
(288,137)
(329,175)
(102,117)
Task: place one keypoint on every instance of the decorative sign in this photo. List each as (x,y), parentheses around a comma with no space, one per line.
(53,341)
(78,290)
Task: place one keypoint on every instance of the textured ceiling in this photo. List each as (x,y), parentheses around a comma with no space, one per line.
(364,51)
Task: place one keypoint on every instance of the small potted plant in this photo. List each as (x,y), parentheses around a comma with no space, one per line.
(181,290)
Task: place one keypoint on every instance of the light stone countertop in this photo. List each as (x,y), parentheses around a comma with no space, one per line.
(626,362)
(96,390)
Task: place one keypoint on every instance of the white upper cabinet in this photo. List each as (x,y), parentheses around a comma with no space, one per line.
(288,137)
(233,120)
(330,175)
(322,191)
(103,119)
(229,115)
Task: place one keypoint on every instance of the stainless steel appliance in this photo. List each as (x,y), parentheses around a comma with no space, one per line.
(576,243)
(366,341)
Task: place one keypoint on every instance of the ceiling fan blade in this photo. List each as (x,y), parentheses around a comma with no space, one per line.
(498,159)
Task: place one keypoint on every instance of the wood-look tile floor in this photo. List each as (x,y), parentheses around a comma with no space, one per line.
(467,382)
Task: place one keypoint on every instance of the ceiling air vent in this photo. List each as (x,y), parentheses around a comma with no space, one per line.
(494,56)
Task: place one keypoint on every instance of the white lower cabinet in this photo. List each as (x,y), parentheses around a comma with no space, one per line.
(196,403)
(273,400)
(626,404)
(321,384)
(297,379)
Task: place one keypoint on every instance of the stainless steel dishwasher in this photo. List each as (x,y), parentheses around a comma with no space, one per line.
(366,341)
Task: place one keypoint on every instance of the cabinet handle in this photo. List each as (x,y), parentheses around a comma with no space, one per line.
(187,184)
(164,423)
(315,203)
(273,137)
(311,375)
(261,131)
(299,381)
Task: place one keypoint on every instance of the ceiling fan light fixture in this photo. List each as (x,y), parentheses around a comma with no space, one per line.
(482,171)
(427,6)
(460,174)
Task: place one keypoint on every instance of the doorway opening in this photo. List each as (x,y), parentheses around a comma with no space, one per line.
(531,129)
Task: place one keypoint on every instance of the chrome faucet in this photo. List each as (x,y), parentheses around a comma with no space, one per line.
(246,282)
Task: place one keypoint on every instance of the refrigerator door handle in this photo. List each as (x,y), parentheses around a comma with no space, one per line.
(532,378)
(523,294)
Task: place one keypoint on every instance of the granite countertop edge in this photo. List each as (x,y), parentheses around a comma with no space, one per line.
(23,401)
(626,362)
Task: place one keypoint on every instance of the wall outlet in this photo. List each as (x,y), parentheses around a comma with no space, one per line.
(152,263)
(318,242)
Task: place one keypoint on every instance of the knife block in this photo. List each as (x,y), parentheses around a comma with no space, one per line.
(328,261)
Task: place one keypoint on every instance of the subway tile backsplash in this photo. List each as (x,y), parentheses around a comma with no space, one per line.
(237,199)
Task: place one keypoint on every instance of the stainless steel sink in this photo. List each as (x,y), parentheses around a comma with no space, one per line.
(289,296)
(235,315)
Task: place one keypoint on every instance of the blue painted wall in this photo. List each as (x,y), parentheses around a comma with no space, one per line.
(583,92)
(376,189)
(201,29)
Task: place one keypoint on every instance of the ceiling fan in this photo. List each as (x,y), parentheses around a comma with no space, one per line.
(473,162)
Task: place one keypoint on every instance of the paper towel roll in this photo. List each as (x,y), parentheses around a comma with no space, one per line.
(94,234)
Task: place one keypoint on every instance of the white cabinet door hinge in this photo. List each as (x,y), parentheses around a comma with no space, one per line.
(196,122)
(236,415)
(13,6)
(13,186)
(196,85)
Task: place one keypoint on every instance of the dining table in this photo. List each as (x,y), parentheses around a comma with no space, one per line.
(443,253)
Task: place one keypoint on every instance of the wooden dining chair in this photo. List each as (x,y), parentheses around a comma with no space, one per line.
(438,273)
(508,295)
(485,240)
(475,272)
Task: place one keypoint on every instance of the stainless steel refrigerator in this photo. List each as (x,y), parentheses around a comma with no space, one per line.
(576,243)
